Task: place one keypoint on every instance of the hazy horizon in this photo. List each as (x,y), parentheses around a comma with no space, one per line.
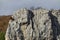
(9,6)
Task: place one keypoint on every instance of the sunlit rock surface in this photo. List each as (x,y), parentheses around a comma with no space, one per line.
(39,24)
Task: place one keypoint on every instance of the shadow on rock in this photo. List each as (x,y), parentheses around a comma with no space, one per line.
(54,25)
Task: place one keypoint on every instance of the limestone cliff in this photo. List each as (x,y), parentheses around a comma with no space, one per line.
(39,24)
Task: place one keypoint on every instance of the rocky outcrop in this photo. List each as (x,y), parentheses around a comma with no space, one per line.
(39,24)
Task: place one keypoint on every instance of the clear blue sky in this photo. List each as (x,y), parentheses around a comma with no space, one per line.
(9,6)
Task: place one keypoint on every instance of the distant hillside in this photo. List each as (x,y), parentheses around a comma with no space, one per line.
(4,22)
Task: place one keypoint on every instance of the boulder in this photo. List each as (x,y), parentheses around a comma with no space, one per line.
(39,24)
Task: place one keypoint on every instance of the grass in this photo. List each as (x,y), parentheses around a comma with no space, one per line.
(2,35)
(3,25)
(4,22)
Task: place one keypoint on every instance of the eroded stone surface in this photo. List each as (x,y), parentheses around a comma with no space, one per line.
(40,24)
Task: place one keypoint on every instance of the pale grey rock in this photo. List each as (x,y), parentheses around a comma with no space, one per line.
(39,24)
(21,14)
(43,24)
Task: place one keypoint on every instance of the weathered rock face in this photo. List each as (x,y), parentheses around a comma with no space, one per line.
(37,24)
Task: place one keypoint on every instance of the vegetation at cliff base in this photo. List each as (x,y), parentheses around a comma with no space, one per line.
(2,35)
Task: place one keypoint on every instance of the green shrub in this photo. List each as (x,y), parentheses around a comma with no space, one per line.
(2,36)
